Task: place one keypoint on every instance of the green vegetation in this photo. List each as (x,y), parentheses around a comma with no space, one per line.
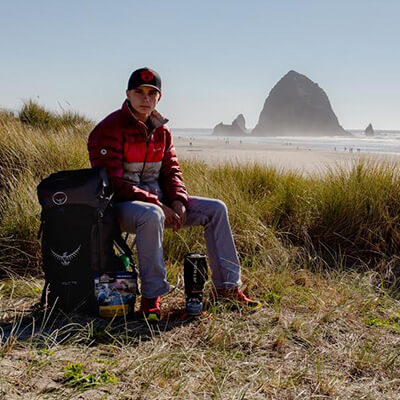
(36,116)
(345,218)
(75,377)
(320,252)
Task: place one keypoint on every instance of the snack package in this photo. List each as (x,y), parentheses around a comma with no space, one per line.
(115,294)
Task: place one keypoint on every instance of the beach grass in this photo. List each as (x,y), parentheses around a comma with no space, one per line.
(320,252)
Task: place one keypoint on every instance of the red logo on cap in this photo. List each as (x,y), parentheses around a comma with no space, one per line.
(146,75)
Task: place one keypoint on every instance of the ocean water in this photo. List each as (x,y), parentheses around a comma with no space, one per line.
(387,142)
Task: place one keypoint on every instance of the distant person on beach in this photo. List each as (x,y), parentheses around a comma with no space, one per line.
(135,146)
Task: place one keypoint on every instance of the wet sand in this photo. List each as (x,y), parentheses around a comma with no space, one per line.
(285,157)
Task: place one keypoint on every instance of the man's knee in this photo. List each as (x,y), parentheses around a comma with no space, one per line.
(134,215)
(219,207)
(153,216)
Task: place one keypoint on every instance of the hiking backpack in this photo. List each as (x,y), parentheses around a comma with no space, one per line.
(79,233)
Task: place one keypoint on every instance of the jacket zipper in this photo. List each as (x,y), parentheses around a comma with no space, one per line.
(147,143)
(145,153)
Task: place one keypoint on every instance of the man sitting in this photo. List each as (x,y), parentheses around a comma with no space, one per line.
(135,145)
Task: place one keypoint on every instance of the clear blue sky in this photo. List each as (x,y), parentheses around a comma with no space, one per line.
(217,58)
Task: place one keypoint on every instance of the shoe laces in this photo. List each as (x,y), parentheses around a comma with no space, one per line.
(234,294)
(240,296)
(150,305)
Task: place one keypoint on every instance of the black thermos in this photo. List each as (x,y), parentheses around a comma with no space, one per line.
(195,274)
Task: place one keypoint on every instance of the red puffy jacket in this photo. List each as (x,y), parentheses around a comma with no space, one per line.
(140,159)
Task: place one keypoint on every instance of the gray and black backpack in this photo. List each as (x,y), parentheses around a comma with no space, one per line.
(79,234)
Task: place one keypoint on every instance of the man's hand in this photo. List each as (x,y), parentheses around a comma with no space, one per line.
(171,218)
(180,209)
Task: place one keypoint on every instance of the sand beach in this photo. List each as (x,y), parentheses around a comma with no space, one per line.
(306,161)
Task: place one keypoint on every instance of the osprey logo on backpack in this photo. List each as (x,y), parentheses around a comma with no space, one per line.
(59,198)
(65,259)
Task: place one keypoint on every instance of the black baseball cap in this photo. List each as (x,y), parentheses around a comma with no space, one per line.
(144,77)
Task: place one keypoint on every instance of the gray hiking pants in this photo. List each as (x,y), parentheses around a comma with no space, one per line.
(147,221)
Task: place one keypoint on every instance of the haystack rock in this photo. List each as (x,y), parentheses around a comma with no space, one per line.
(369,131)
(237,128)
(298,106)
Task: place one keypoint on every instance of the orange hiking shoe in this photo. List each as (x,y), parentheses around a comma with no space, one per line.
(236,298)
(150,309)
